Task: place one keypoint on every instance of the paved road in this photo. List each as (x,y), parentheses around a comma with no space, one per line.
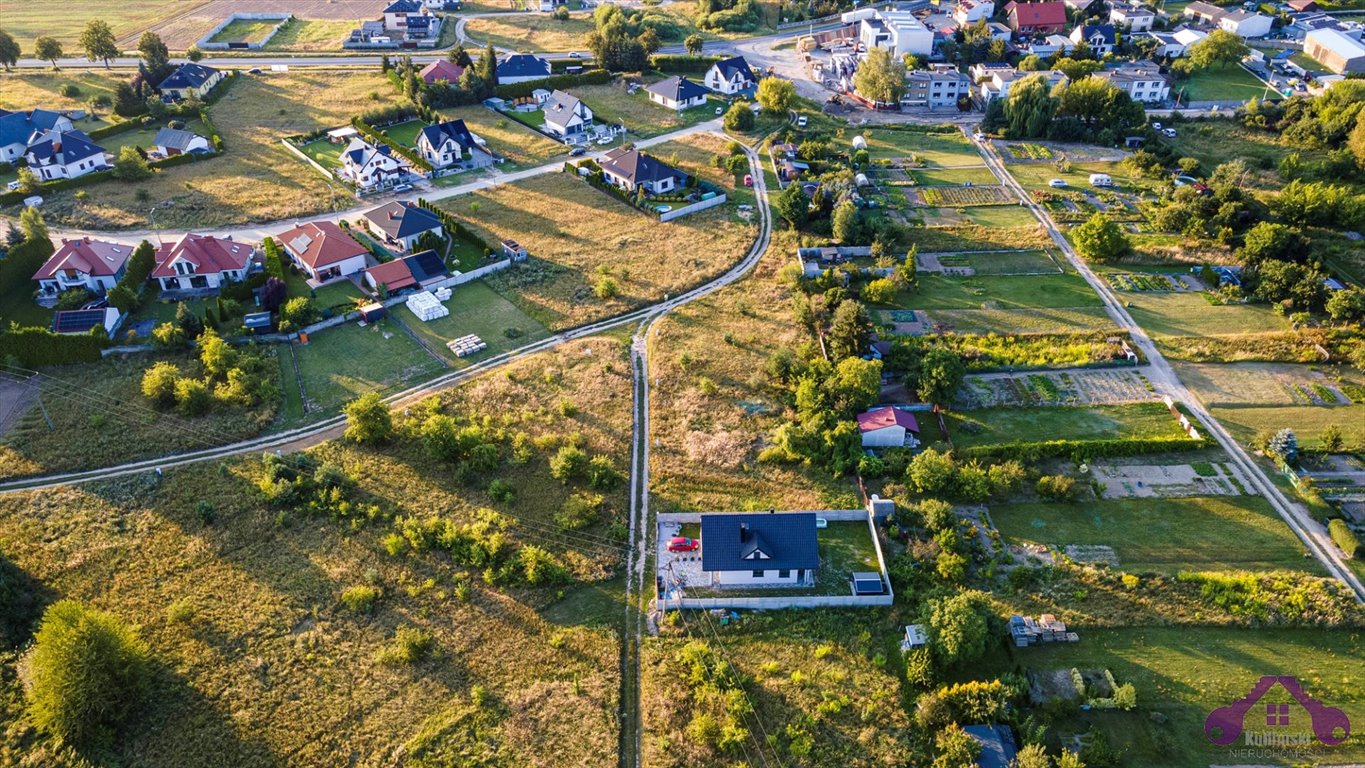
(1163,376)
(257,232)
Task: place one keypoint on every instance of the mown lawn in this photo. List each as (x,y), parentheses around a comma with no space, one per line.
(244,31)
(521,146)
(1186,672)
(339,364)
(1190,314)
(1220,83)
(936,150)
(994,426)
(1164,535)
(612,105)
(476,309)
(1307,421)
(999,292)
(310,35)
(941,177)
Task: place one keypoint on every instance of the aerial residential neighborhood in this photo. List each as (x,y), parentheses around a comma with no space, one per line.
(684,384)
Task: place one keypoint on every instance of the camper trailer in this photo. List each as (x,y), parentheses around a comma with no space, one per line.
(1101,180)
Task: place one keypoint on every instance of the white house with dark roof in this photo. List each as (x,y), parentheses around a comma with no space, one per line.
(1141,80)
(65,155)
(95,265)
(370,167)
(566,116)
(731,76)
(768,549)
(396,14)
(888,427)
(631,169)
(402,223)
(20,129)
(1245,24)
(1176,44)
(170,142)
(677,93)
(521,68)
(451,143)
(201,263)
(1100,37)
(189,80)
(1133,17)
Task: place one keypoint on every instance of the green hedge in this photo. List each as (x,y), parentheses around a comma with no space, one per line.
(378,138)
(37,347)
(114,129)
(1346,539)
(455,228)
(23,260)
(274,260)
(683,64)
(1081,449)
(554,82)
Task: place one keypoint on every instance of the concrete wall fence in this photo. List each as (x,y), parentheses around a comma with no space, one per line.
(204,45)
(678,213)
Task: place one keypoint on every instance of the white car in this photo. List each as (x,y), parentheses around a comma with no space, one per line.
(1057,183)
(801,122)
(720,110)
(605,140)
(1156,126)
(1170,133)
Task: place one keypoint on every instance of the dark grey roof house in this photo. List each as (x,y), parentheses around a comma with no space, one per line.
(520,67)
(760,549)
(631,168)
(402,222)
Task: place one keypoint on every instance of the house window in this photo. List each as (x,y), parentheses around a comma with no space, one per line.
(758,574)
(784,574)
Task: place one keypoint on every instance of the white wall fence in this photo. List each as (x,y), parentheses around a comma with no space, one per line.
(289,145)
(678,213)
(205,45)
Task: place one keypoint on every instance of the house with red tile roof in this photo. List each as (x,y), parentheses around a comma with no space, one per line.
(201,263)
(95,265)
(1046,18)
(888,427)
(440,70)
(323,250)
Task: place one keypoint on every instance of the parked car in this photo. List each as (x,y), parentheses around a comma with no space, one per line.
(1156,126)
(801,121)
(605,140)
(683,544)
(720,110)
(575,55)
(403,188)
(1170,133)
(12,186)
(821,522)
(1057,183)
(254,70)
(577,152)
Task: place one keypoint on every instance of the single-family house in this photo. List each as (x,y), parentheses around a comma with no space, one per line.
(370,167)
(897,31)
(971,11)
(95,265)
(677,93)
(1133,17)
(65,155)
(402,223)
(1176,44)
(1307,22)
(201,263)
(778,549)
(423,27)
(731,76)
(566,116)
(998,85)
(999,31)
(1080,6)
(1205,13)
(888,427)
(446,144)
(1048,46)
(1141,80)
(998,749)
(396,14)
(935,88)
(441,70)
(1245,24)
(522,67)
(189,80)
(1302,6)
(410,272)
(1043,18)
(983,70)
(631,169)
(1335,50)
(20,129)
(1100,37)
(170,142)
(323,250)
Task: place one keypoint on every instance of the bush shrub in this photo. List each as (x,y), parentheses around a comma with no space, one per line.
(1346,539)
(410,645)
(360,598)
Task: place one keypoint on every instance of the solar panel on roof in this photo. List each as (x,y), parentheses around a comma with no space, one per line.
(426,264)
(77,320)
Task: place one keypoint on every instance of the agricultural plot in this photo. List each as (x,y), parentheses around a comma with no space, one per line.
(1308,422)
(975,237)
(1238,384)
(1004,303)
(531,33)
(1010,321)
(1123,281)
(26,20)
(945,149)
(1148,481)
(953,197)
(1027,262)
(958,176)
(1026,151)
(1161,535)
(306,35)
(1191,314)
(245,31)
(994,426)
(1098,387)
(990,216)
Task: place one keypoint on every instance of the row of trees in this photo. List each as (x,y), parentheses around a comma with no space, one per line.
(1086,109)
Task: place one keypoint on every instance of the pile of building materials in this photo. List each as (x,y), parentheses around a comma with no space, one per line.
(442,294)
(1046,629)
(426,307)
(467,345)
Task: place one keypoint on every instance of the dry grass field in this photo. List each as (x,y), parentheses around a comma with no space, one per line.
(64,19)
(256,179)
(531,33)
(257,660)
(577,235)
(181,31)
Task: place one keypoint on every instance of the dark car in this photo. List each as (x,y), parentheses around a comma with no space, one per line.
(576,152)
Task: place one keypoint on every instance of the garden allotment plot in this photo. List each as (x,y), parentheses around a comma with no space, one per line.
(1047,303)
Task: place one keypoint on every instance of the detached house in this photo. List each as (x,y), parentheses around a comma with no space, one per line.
(201,263)
(566,116)
(935,88)
(1100,37)
(888,428)
(1134,18)
(396,14)
(65,155)
(522,67)
(402,223)
(20,129)
(971,11)
(1246,25)
(450,143)
(441,71)
(777,549)
(1141,80)
(631,169)
(170,142)
(323,250)
(95,265)
(370,167)
(677,93)
(1175,44)
(731,76)
(190,80)
(1045,18)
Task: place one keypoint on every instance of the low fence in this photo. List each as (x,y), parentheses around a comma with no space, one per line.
(305,158)
(204,45)
(678,213)
(840,515)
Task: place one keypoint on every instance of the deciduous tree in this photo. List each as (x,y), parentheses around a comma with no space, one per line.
(97,40)
(1100,239)
(776,95)
(368,420)
(9,50)
(48,49)
(880,77)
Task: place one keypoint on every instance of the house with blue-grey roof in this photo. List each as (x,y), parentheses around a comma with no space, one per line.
(778,549)
(65,155)
(189,81)
(451,143)
(522,67)
(677,93)
(731,76)
(19,130)
(1100,37)
(402,223)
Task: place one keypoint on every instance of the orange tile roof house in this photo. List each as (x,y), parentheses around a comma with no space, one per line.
(1047,18)
(323,250)
(95,265)
(441,70)
(201,263)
